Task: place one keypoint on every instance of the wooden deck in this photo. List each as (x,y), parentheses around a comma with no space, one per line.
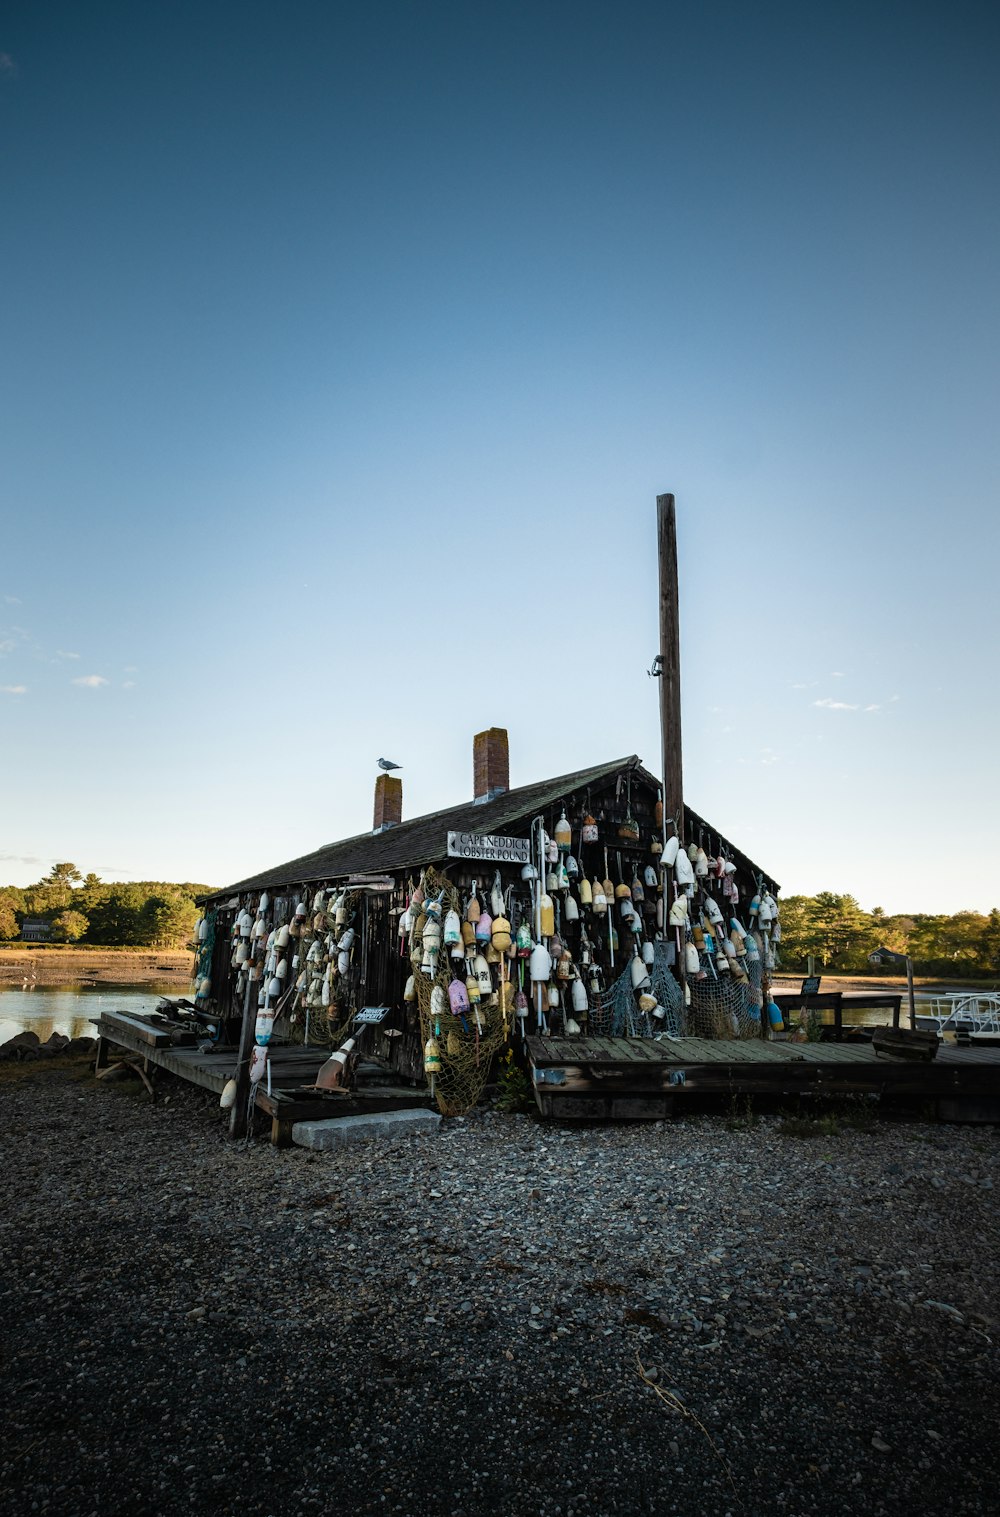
(293,1068)
(637,1077)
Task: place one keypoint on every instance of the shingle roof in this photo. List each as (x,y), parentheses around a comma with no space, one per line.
(423,840)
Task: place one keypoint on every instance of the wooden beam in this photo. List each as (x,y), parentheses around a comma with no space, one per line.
(239,1117)
(670,663)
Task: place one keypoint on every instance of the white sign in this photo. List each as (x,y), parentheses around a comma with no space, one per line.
(490,846)
(370,1014)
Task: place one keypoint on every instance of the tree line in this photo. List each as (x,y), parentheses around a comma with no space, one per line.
(840,936)
(81,908)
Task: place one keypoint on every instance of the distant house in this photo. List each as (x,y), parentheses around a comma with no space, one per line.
(33,930)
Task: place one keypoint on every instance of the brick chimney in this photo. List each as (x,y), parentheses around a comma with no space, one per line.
(490,763)
(388,802)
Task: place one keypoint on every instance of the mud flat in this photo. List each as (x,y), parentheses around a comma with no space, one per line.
(102,966)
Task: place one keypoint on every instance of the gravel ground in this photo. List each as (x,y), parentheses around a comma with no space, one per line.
(688,1317)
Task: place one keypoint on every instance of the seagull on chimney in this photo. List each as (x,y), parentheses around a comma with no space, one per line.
(386,764)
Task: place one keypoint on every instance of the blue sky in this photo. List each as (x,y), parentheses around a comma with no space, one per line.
(346,349)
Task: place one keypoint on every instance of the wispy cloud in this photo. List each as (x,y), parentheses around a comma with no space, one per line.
(12,600)
(8,68)
(806,684)
(7,645)
(61,653)
(91,681)
(873,708)
(14,689)
(22,858)
(832,705)
(837,674)
(893,698)
(128,684)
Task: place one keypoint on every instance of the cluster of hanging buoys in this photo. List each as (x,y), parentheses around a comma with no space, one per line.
(594,909)
(458,944)
(204,943)
(711,941)
(294,966)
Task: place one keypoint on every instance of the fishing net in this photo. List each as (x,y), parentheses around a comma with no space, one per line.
(724,1004)
(617,1014)
(467,1042)
(467,1045)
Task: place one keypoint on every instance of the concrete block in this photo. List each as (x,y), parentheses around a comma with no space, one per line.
(337,1132)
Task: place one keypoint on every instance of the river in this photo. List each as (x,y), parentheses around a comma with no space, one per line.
(69,1009)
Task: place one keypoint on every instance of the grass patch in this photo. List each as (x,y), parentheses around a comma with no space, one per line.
(826,1118)
(741,1115)
(809,1127)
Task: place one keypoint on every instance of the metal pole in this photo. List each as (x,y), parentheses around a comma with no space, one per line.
(909,989)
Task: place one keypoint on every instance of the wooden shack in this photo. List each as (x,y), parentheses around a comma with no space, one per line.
(397,937)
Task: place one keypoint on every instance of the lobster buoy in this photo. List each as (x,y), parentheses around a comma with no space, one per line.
(458,997)
(540,963)
(692,962)
(501,934)
(678,912)
(589,829)
(432,1056)
(639,972)
(452,929)
(548,915)
(774,1017)
(482,972)
(228,1098)
(563,833)
(671,848)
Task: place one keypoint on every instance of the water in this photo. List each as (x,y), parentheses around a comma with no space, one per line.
(68,1009)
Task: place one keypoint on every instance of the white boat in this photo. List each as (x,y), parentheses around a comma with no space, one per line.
(967,1015)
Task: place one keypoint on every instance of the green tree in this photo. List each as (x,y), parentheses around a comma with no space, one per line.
(116,919)
(9,925)
(167,920)
(68,926)
(989,944)
(62,874)
(830,927)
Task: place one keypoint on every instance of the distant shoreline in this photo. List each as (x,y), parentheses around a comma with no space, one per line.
(880,984)
(53,965)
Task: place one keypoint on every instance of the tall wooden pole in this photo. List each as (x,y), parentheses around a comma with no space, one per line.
(670,664)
